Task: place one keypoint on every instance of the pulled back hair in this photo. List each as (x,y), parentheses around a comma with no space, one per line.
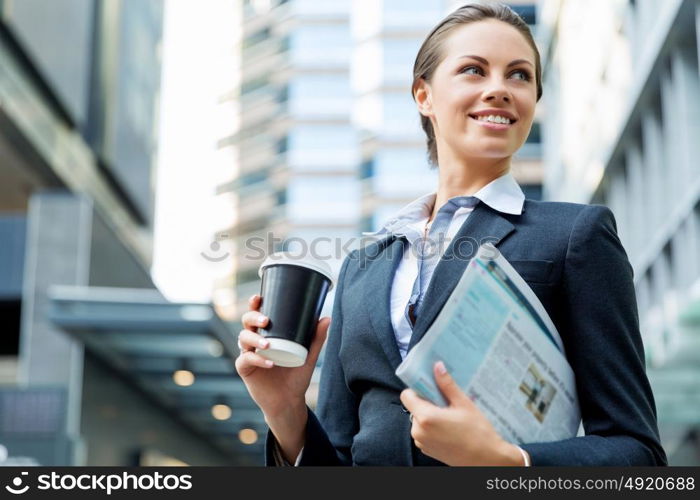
(430,54)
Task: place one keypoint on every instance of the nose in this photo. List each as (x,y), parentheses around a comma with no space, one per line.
(497,92)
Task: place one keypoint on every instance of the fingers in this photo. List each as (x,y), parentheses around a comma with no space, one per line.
(447,385)
(253,319)
(415,404)
(249,341)
(248,361)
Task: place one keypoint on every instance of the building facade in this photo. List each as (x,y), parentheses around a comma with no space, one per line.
(294,148)
(621,93)
(90,348)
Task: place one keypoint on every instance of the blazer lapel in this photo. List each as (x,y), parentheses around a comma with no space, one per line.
(483,225)
(380,275)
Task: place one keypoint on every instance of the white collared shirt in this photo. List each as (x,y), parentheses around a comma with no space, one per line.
(502,194)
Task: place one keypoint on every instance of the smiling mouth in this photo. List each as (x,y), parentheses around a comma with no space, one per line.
(499,120)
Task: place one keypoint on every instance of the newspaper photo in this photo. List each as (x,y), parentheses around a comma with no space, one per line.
(502,349)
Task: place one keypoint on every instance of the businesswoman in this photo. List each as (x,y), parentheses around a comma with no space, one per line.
(477,78)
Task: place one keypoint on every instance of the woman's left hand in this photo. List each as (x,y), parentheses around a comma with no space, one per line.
(459,434)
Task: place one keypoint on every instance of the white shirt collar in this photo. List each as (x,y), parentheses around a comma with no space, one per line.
(502,194)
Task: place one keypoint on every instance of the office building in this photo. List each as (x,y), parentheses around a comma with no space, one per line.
(621,87)
(96,366)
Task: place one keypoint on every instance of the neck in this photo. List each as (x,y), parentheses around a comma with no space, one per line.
(466,177)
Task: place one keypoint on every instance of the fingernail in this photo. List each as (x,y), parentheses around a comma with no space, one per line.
(261,320)
(263,343)
(440,367)
(252,298)
(268,362)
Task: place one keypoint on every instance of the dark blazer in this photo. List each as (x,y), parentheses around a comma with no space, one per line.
(571,257)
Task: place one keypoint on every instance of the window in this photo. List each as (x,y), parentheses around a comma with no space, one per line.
(367,169)
(324,199)
(252,85)
(398,57)
(411,13)
(401,116)
(319,44)
(256,37)
(318,95)
(322,147)
(403,173)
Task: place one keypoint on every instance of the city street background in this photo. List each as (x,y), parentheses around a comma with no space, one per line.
(145,142)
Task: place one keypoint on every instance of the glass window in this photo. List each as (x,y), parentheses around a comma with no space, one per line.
(412,13)
(316,8)
(314,95)
(401,116)
(398,59)
(256,37)
(403,172)
(321,44)
(324,199)
(322,146)
(367,169)
(319,86)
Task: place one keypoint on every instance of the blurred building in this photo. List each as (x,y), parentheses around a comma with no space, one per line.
(621,100)
(296,151)
(394,170)
(96,367)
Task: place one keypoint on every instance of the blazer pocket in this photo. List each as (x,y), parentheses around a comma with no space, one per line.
(534,271)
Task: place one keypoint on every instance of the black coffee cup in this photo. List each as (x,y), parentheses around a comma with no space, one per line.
(293,291)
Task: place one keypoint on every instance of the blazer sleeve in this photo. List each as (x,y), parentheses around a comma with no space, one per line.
(604,347)
(329,435)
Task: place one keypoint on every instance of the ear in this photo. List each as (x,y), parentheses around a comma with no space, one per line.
(423,97)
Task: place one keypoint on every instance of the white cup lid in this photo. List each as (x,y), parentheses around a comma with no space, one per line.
(284,352)
(307,261)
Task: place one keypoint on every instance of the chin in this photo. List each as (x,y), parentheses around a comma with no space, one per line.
(488,154)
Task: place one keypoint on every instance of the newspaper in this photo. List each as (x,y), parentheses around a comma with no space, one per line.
(499,344)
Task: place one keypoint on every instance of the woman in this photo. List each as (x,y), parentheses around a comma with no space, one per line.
(477,78)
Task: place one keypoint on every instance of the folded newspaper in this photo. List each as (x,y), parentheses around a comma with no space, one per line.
(499,344)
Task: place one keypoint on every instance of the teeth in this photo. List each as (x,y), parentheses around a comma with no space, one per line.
(494,119)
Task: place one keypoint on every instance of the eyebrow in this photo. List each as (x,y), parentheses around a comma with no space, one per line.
(512,63)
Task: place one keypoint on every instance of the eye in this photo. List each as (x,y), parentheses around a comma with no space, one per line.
(472,70)
(524,75)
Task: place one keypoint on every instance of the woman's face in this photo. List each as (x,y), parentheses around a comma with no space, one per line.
(488,69)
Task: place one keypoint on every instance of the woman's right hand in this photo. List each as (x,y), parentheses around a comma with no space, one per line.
(275,389)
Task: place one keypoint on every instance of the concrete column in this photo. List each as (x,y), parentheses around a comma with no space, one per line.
(686,108)
(58,253)
(653,157)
